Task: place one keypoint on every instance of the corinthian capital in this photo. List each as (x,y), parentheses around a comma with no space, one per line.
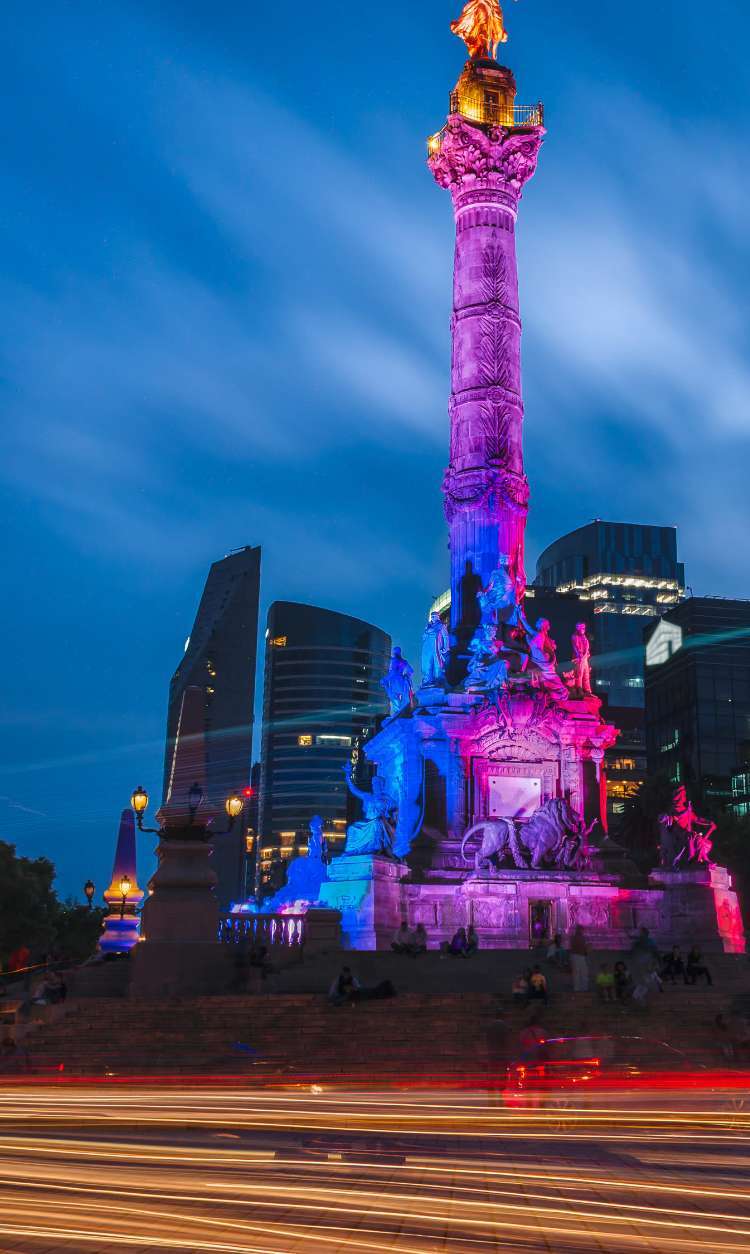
(506,158)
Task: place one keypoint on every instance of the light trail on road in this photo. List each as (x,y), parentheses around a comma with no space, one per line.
(238,1170)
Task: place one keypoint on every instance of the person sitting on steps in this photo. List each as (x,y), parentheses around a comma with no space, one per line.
(605,983)
(520,989)
(623,982)
(673,965)
(696,967)
(419,940)
(472,942)
(402,942)
(459,944)
(538,986)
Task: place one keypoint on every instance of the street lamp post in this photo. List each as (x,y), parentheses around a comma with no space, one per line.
(89,889)
(233,806)
(125,886)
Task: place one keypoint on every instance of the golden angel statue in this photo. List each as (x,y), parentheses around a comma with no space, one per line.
(482,27)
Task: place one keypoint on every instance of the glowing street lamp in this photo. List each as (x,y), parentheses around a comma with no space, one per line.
(125,886)
(139,802)
(234,806)
(89,889)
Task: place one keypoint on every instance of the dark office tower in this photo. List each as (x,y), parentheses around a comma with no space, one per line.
(698,698)
(628,573)
(220,658)
(322,698)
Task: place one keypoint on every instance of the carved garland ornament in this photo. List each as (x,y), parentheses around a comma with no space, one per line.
(469,489)
(468,152)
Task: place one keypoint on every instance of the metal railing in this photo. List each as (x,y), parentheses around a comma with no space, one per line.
(485,113)
(262,929)
(490,113)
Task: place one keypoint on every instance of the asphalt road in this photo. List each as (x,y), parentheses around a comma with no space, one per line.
(130,1167)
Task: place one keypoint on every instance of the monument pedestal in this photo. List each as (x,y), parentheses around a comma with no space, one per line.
(703,907)
(366,888)
(179,954)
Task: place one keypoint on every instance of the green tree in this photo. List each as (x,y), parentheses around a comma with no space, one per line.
(77,930)
(28,905)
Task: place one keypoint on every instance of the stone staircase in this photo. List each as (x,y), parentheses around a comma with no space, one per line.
(437,1029)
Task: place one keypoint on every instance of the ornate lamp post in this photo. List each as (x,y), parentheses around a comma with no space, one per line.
(233,806)
(89,889)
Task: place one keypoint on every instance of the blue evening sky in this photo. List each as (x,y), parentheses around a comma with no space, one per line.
(224,298)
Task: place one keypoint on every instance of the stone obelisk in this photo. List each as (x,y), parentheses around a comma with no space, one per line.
(484,155)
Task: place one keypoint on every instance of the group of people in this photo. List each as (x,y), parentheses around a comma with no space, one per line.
(463,944)
(408,943)
(530,985)
(635,980)
(690,968)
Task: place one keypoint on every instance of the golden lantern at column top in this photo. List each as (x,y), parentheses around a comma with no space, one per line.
(125,885)
(482,28)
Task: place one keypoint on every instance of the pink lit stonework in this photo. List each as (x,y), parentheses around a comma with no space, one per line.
(491,774)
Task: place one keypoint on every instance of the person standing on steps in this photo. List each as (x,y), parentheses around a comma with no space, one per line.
(579,961)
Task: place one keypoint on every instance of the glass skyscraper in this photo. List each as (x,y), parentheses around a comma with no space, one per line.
(627,573)
(322,698)
(698,699)
(220,657)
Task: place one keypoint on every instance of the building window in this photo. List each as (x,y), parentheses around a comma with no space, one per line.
(279,642)
(304,741)
(326,739)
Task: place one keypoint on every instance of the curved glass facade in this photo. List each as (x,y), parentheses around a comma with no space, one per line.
(322,699)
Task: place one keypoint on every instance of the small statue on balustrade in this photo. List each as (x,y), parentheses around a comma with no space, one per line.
(500,608)
(374,834)
(543,652)
(435,650)
(397,683)
(581,646)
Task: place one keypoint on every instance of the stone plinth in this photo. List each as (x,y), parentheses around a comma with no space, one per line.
(703,906)
(322,931)
(180,954)
(366,889)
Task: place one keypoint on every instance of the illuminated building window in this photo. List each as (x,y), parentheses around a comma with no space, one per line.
(304,741)
(286,853)
(326,739)
(279,642)
(267,852)
(249,843)
(340,823)
(287,838)
(624,788)
(210,691)
(622,764)
(211,669)
(668,745)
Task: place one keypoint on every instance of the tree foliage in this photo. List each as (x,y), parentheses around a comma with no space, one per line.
(31,914)
(28,904)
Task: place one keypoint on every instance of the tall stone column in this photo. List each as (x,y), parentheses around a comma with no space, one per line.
(485,167)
